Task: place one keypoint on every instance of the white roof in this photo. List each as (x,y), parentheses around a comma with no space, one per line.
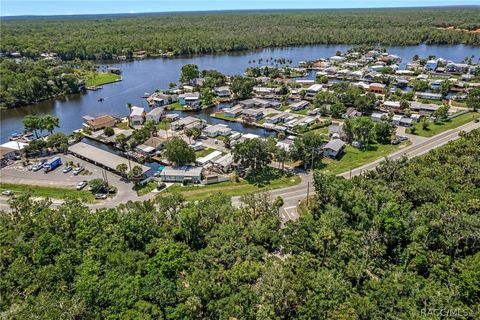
(186,171)
(15,145)
(250,136)
(315,87)
(137,112)
(225,160)
(209,157)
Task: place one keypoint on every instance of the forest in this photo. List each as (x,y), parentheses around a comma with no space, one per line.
(105,37)
(26,81)
(401,242)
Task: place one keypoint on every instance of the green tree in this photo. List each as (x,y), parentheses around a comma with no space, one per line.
(179,152)
(383,132)
(473,99)
(189,73)
(33,123)
(58,141)
(108,131)
(122,168)
(252,154)
(307,149)
(242,87)
(98,185)
(49,123)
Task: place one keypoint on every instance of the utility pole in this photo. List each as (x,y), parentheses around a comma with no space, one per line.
(308,191)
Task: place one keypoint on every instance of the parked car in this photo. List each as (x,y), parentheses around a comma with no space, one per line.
(476,120)
(402,138)
(161,186)
(78,170)
(6,193)
(396,141)
(67,169)
(37,167)
(81,185)
(100,196)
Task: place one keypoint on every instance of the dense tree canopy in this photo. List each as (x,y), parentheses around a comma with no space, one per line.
(103,37)
(395,244)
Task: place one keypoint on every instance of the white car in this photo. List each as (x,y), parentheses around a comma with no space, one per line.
(81,185)
(77,171)
(100,196)
(67,169)
(6,193)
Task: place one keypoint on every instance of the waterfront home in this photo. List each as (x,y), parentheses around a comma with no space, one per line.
(159,99)
(6,154)
(217,130)
(337,59)
(300,105)
(191,99)
(351,112)
(145,150)
(155,114)
(155,142)
(186,123)
(224,163)
(334,148)
(424,108)
(137,116)
(233,112)
(280,117)
(185,174)
(431,65)
(209,158)
(457,67)
(264,90)
(171,117)
(255,102)
(376,87)
(252,115)
(223,91)
(429,96)
(99,123)
(305,81)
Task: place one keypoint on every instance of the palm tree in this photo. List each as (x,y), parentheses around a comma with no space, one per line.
(50,122)
(122,168)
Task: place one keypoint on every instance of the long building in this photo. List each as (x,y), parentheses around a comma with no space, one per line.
(102,158)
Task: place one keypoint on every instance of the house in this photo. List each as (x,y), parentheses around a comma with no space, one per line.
(335,130)
(171,117)
(313,112)
(429,96)
(252,115)
(406,122)
(425,108)
(224,163)
(255,102)
(217,130)
(376,87)
(187,174)
(435,84)
(313,90)
(337,59)
(155,142)
(396,119)
(431,65)
(159,99)
(280,117)
(223,91)
(391,105)
(186,123)
(333,148)
(209,158)
(233,112)
(137,116)
(191,99)
(300,105)
(457,67)
(145,150)
(99,123)
(155,114)
(6,154)
(351,112)
(378,117)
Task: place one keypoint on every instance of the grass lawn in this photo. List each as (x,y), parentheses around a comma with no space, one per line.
(302,112)
(203,152)
(143,190)
(49,192)
(175,106)
(233,188)
(436,128)
(164,125)
(354,157)
(99,78)
(220,115)
(462,104)
(323,130)
(123,125)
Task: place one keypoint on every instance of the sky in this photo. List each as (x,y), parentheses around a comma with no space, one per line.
(71,7)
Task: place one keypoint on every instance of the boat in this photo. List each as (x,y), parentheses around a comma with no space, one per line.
(145,95)
(100,100)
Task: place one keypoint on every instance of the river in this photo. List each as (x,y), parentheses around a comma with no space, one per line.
(148,75)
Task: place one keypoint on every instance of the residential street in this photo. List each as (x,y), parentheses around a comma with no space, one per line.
(420,145)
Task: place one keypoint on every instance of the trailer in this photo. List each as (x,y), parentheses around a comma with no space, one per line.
(52,164)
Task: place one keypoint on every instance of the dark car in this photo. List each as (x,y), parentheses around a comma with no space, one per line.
(161,186)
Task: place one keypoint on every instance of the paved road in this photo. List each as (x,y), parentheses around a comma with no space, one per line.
(420,145)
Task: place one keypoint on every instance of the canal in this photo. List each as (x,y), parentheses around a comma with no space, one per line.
(149,75)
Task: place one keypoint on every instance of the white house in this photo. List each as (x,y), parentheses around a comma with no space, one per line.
(217,130)
(137,116)
(333,148)
(155,115)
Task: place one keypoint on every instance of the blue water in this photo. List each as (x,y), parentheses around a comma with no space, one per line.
(151,74)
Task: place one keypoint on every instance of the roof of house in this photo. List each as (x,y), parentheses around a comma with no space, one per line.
(154,142)
(185,171)
(315,87)
(15,145)
(335,145)
(4,151)
(99,121)
(191,95)
(252,112)
(225,160)
(137,111)
(217,127)
(156,112)
(209,157)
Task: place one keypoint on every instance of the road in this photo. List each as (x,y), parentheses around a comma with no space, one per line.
(420,145)
(290,195)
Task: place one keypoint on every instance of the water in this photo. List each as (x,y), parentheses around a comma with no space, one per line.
(151,74)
